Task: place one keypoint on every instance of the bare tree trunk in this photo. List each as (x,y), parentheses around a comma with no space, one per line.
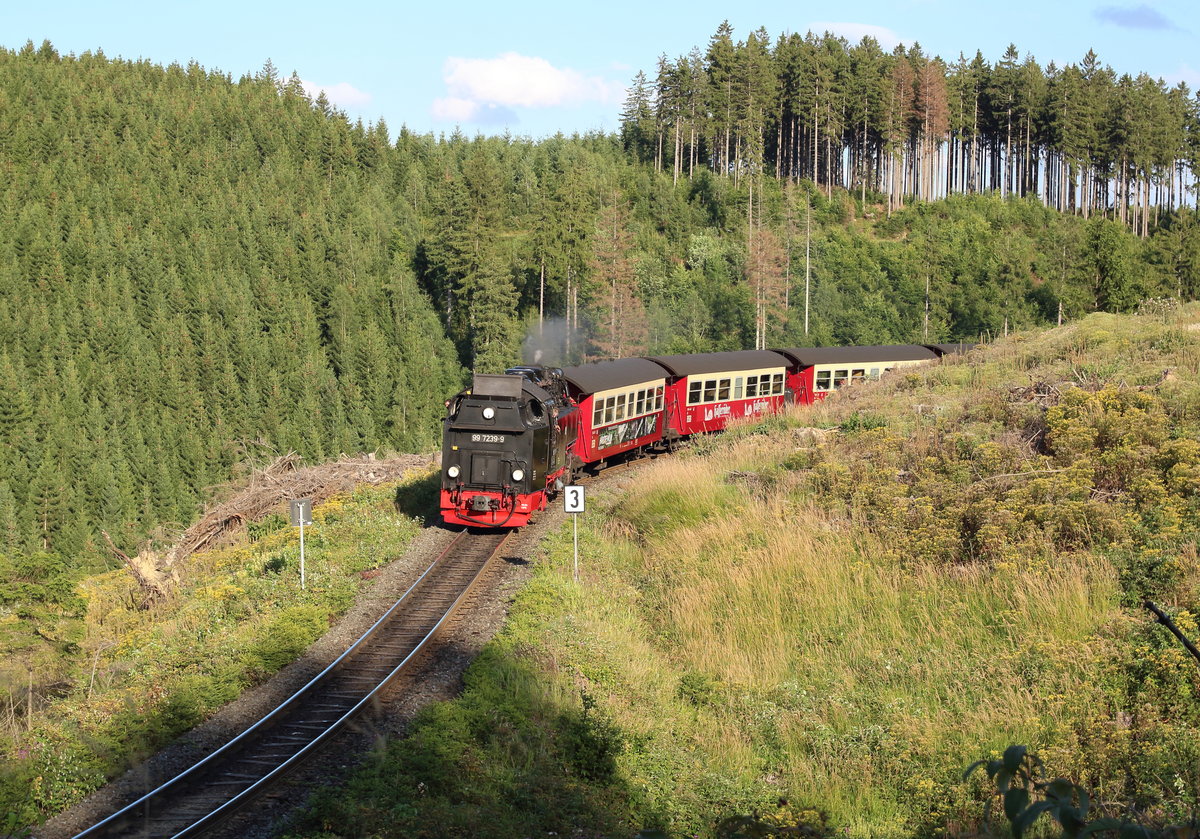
(815,143)
(780,162)
(692,146)
(677,164)
(807,261)
(926,308)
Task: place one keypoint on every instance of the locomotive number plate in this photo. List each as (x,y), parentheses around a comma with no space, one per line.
(487,438)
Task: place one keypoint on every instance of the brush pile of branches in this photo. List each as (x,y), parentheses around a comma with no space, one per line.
(268,491)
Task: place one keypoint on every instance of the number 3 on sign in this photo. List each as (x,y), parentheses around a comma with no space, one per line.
(573,501)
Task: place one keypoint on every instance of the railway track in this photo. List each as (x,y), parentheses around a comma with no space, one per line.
(214,788)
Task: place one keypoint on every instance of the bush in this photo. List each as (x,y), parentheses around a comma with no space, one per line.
(285,638)
(863,421)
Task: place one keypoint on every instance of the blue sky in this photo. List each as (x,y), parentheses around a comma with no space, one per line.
(541,67)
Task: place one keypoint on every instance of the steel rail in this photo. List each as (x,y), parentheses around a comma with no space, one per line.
(137,813)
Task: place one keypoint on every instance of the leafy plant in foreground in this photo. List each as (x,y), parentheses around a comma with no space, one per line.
(1026,795)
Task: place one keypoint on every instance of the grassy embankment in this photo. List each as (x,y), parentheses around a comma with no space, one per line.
(141,676)
(845,623)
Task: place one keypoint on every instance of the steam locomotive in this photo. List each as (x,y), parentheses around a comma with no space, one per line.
(513,441)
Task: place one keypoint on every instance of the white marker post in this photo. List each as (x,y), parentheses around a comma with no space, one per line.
(301,512)
(574,502)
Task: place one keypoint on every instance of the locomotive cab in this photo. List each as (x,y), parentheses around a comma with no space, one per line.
(505,445)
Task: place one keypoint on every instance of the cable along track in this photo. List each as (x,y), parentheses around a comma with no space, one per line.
(215,787)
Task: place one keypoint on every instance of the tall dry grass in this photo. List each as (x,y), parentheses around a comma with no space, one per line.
(839,678)
(755,640)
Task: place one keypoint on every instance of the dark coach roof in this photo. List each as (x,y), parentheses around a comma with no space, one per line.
(720,362)
(808,356)
(605,375)
(951,349)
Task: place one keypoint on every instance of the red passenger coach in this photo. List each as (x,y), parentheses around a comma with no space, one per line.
(620,406)
(816,372)
(515,441)
(706,391)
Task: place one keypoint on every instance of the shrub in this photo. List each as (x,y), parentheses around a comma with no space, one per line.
(863,421)
(285,637)
(266,526)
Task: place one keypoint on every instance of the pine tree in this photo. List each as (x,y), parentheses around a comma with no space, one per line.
(494,338)
(49,503)
(619,319)
(11,531)
(721,59)
(637,119)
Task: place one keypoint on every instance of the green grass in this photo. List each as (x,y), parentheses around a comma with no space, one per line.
(142,676)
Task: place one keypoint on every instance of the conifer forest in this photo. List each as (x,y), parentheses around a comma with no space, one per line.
(200,272)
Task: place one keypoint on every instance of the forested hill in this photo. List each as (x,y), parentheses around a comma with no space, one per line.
(193,273)
(197,272)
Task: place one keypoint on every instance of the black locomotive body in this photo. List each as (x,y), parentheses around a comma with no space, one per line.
(506,448)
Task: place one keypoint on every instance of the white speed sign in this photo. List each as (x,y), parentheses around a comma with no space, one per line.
(573,499)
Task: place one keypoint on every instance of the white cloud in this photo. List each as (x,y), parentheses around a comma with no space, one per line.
(855,32)
(453,109)
(476,85)
(342,94)
(1133,17)
(1186,74)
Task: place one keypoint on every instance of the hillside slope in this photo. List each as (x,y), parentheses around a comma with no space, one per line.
(198,272)
(123,671)
(842,608)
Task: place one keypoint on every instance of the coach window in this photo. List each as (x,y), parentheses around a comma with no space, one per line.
(723,390)
(598,413)
(737,387)
(841,378)
(710,390)
(609,404)
(777,384)
(874,373)
(658,399)
(858,375)
(751,387)
(824,379)
(694,392)
(621,407)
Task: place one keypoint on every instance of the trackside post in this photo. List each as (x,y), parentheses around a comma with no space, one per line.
(574,502)
(301,513)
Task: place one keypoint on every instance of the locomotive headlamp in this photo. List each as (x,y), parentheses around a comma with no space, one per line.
(489,413)
(453,471)
(518,475)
